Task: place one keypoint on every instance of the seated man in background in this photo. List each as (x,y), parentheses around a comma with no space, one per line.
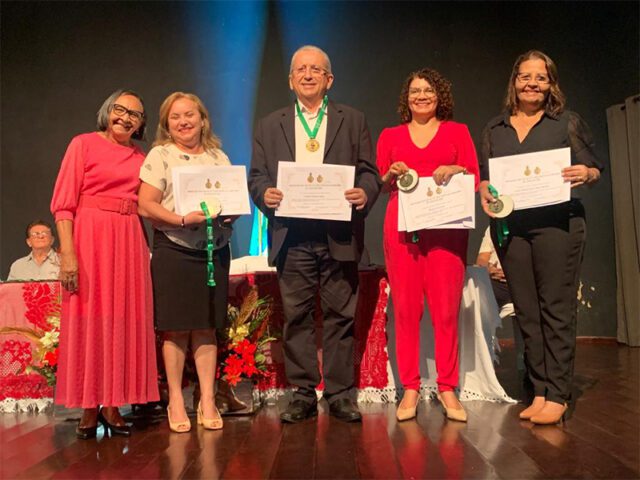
(488,258)
(43,262)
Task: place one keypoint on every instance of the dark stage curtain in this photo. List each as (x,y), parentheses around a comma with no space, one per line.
(624,148)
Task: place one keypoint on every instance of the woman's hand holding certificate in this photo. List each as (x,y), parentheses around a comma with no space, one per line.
(532,179)
(223,186)
(431,205)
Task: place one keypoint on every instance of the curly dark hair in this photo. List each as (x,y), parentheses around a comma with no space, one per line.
(442,86)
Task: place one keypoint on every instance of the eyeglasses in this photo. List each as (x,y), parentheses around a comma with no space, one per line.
(428,92)
(43,234)
(120,111)
(527,77)
(316,70)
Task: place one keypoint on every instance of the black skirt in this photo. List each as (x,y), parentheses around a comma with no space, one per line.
(182,300)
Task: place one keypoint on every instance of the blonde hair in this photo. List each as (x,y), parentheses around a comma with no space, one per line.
(208,139)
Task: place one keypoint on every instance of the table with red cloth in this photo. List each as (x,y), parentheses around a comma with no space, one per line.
(29,304)
(374,352)
(25,305)
(370,352)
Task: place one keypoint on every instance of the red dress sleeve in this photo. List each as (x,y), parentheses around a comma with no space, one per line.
(66,192)
(467,157)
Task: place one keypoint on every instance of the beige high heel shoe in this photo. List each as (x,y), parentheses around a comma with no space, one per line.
(534,408)
(209,423)
(457,414)
(551,413)
(178,427)
(407,413)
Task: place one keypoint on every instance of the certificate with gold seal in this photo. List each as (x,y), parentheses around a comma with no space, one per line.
(315,191)
(225,186)
(432,206)
(532,179)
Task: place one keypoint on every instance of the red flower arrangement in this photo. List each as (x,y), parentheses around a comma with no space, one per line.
(45,359)
(244,341)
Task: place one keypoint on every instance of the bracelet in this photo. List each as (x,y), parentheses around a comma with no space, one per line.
(182,222)
(464,170)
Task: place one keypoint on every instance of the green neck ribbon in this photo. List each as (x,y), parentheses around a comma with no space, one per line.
(210,271)
(502,229)
(312,133)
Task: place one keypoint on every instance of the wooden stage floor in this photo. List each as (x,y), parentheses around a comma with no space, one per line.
(600,440)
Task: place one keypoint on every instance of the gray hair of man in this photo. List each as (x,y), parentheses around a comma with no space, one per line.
(105,110)
(315,49)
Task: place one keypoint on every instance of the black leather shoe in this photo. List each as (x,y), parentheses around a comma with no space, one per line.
(85,433)
(124,430)
(299,410)
(346,410)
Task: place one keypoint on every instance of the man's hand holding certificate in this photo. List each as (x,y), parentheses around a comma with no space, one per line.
(314,191)
(532,179)
(432,206)
(223,185)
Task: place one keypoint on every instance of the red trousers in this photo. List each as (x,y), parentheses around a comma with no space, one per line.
(433,267)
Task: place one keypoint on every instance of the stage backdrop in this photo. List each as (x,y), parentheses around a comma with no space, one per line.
(60,60)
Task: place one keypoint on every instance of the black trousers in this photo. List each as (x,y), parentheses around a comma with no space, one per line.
(541,261)
(501,292)
(304,267)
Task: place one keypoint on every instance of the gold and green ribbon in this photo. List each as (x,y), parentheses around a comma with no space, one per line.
(210,270)
(502,230)
(312,133)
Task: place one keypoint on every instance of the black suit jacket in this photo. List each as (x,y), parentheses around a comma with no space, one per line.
(348,142)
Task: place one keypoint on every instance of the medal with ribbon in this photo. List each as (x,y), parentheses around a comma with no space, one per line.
(312,144)
(502,207)
(210,270)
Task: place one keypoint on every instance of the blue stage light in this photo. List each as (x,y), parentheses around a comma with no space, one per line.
(228,47)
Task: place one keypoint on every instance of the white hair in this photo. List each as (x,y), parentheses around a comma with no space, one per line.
(314,49)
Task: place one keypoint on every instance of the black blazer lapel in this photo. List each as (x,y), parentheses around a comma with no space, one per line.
(288,129)
(334,122)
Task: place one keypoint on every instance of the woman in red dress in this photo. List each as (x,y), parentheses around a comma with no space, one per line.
(107,346)
(433,145)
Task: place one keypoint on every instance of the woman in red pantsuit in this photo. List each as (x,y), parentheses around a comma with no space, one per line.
(431,263)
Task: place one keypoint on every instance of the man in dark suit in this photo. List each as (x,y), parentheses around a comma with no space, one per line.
(316,254)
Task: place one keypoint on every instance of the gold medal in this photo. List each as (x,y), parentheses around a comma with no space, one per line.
(313,145)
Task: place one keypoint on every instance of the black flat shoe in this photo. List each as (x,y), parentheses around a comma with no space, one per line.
(124,430)
(346,410)
(299,410)
(85,433)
